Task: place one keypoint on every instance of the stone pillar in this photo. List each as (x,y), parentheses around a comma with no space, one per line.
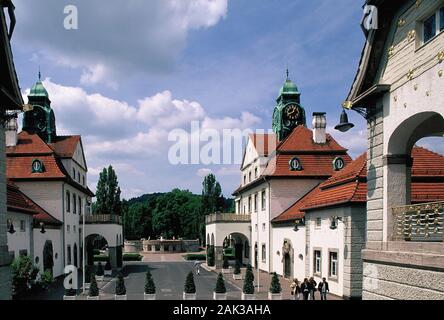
(5,258)
(219,257)
(162,248)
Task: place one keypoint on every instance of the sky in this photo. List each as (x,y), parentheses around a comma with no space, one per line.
(134,71)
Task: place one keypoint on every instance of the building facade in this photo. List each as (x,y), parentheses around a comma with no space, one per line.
(398,88)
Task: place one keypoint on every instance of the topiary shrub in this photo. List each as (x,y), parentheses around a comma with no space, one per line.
(120,285)
(237,268)
(190,286)
(150,287)
(249,281)
(93,288)
(46,279)
(275,286)
(100,271)
(210,256)
(220,285)
(226,264)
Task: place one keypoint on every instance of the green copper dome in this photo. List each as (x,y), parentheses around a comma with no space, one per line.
(38,90)
(289,88)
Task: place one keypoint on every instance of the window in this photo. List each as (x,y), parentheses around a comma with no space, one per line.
(333,262)
(69,255)
(255,202)
(249,176)
(245,179)
(255,173)
(249,204)
(318,223)
(264,253)
(264,227)
(255,227)
(317,262)
(80,205)
(74,203)
(74,229)
(74,173)
(263,200)
(68,201)
(78,176)
(22,226)
(68,228)
(433,25)
(83,180)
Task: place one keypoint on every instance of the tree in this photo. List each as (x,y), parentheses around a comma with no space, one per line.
(249,281)
(190,286)
(211,194)
(120,285)
(21,268)
(108,193)
(210,256)
(275,286)
(93,288)
(220,285)
(150,287)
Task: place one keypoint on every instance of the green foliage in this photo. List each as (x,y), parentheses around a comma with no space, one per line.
(249,281)
(150,287)
(220,284)
(101,258)
(100,271)
(46,279)
(132,257)
(93,288)
(211,256)
(226,264)
(97,252)
(195,257)
(120,285)
(190,286)
(108,194)
(237,268)
(275,286)
(21,269)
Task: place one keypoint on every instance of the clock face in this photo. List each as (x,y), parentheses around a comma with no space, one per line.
(37,119)
(37,166)
(338,164)
(292,112)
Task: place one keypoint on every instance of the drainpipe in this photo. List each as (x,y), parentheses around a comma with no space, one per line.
(270,248)
(64,225)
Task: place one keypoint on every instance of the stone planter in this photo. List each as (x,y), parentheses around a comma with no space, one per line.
(69,298)
(100,278)
(248,296)
(238,276)
(93,298)
(189,296)
(274,296)
(226,271)
(150,297)
(108,273)
(219,296)
(117,297)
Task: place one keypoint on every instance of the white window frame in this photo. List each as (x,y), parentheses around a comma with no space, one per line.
(438,30)
(264,253)
(333,262)
(317,261)
(318,226)
(256,202)
(264,200)
(22,226)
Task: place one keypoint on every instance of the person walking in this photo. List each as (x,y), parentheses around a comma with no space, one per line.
(312,288)
(305,289)
(296,289)
(197,267)
(323,289)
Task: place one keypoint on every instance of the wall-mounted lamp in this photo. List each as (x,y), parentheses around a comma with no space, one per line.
(42,228)
(334,222)
(344,124)
(11,228)
(297,224)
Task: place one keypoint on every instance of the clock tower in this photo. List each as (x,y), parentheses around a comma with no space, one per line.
(39,118)
(288,113)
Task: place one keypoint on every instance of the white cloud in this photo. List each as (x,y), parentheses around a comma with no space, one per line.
(354,140)
(204,172)
(115,39)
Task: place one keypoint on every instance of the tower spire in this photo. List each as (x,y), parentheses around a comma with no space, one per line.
(40,75)
(288,74)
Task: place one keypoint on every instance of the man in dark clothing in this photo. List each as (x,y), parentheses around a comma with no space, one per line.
(312,288)
(305,288)
(323,289)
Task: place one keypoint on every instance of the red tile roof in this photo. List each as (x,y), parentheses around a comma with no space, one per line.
(65,146)
(350,185)
(19,202)
(29,144)
(21,167)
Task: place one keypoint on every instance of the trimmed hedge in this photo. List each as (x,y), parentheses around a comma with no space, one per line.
(101,258)
(195,257)
(132,257)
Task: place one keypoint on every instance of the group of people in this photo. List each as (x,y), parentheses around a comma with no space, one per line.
(307,289)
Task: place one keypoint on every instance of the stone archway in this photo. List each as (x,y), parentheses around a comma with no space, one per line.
(239,245)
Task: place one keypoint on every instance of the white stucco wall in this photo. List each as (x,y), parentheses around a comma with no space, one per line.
(54,235)
(281,234)
(20,240)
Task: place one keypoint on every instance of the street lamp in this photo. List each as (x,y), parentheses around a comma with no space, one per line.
(344,124)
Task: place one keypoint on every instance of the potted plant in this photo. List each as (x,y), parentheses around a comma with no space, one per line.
(94,293)
(100,275)
(120,288)
(150,287)
(210,258)
(108,269)
(275,292)
(70,294)
(226,266)
(190,288)
(220,293)
(248,290)
(237,274)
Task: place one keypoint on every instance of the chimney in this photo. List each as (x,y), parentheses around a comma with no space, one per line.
(319,127)
(11,132)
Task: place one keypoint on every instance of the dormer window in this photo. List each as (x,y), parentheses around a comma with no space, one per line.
(37,166)
(433,25)
(295,164)
(338,164)
(74,173)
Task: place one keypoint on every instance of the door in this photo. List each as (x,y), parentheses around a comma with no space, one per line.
(287,266)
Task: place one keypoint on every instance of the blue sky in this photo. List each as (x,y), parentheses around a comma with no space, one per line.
(133,72)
